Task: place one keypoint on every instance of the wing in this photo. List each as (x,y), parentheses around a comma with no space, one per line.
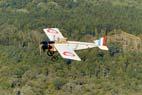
(66,52)
(53,34)
(75,45)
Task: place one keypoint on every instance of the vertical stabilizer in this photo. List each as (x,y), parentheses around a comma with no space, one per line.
(101,43)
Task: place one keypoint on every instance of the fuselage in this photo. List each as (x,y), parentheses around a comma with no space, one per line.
(75,45)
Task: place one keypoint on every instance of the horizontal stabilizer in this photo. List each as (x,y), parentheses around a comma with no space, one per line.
(103,47)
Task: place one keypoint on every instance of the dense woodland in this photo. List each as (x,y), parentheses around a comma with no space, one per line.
(23,71)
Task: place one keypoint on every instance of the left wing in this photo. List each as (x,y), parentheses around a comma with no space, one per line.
(53,34)
(66,52)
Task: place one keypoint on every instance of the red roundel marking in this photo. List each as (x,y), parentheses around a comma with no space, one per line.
(50,30)
(67,53)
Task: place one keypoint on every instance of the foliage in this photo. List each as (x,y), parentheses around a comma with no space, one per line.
(23,70)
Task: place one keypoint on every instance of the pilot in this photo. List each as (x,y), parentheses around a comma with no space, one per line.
(44,45)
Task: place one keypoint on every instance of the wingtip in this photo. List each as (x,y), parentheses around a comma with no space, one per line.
(78,59)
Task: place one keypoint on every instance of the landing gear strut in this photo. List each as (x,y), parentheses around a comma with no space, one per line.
(54,58)
(52,55)
(47,46)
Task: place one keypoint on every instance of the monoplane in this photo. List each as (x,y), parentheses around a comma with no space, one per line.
(58,43)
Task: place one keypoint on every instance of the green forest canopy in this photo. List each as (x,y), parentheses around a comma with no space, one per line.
(102,73)
(72,15)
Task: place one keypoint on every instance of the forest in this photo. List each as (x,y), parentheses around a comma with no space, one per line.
(23,71)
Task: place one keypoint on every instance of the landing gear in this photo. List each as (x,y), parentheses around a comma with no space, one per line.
(48,46)
(50,53)
(54,58)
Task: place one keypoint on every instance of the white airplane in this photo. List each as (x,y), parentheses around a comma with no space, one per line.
(67,48)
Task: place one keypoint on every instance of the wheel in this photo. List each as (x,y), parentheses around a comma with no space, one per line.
(50,53)
(54,58)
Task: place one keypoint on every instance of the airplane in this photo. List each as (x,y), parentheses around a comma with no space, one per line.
(57,42)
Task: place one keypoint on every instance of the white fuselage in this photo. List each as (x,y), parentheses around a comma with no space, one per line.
(76,45)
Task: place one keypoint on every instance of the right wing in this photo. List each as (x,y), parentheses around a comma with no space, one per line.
(66,52)
(53,34)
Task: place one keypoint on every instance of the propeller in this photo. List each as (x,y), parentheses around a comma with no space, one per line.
(43,46)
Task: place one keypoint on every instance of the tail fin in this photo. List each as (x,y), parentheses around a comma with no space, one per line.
(101,43)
